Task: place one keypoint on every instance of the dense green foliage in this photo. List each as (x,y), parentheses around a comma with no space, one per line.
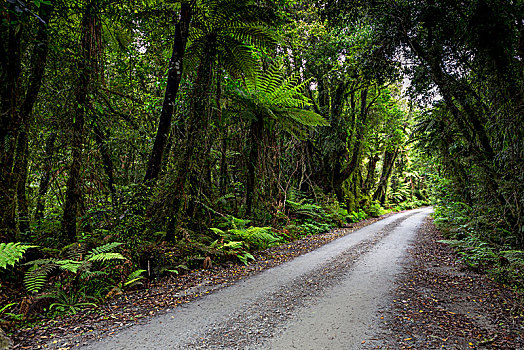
(144,138)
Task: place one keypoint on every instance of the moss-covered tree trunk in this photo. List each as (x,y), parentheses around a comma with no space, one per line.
(387,167)
(86,69)
(16,109)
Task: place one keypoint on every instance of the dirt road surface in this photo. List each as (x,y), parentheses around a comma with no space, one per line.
(326,299)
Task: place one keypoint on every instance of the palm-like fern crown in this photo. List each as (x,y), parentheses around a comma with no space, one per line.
(234,27)
(279,96)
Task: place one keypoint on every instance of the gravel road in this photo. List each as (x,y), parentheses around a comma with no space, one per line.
(326,299)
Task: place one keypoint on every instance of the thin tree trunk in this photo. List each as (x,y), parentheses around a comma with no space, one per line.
(253,161)
(46,177)
(21,164)
(174,76)
(91,29)
(101,140)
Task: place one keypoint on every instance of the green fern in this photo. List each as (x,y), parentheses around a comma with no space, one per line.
(305,209)
(36,276)
(104,248)
(106,257)
(231,28)
(134,278)
(275,95)
(11,253)
(257,237)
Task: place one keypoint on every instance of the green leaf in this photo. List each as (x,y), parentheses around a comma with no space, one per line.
(11,253)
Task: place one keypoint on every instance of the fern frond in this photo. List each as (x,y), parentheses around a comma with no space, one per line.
(134,278)
(217,231)
(12,252)
(70,265)
(92,274)
(104,248)
(36,277)
(259,237)
(106,257)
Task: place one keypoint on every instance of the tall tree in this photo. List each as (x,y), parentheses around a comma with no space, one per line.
(174,76)
(87,69)
(17,100)
(223,32)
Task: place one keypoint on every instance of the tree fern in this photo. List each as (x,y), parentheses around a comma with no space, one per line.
(11,253)
(278,97)
(233,28)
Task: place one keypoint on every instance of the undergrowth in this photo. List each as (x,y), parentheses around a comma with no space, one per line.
(481,245)
(51,281)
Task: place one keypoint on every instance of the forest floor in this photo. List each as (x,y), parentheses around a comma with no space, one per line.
(440,304)
(437,303)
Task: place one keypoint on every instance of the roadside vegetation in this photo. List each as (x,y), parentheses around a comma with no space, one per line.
(143,139)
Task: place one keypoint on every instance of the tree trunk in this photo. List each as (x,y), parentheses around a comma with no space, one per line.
(101,141)
(46,177)
(370,178)
(174,76)
(343,175)
(252,163)
(189,167)
(20,168)
(87,66)
(387,167)
(15,114)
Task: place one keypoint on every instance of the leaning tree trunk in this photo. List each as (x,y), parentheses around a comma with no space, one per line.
(87,66)
(387,167)
(174,76)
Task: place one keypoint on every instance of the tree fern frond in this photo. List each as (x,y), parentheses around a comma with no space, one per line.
(257,36)
(237,58)
(304,117)
(11,253)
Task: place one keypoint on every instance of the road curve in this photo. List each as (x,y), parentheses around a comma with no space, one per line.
(325,299)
